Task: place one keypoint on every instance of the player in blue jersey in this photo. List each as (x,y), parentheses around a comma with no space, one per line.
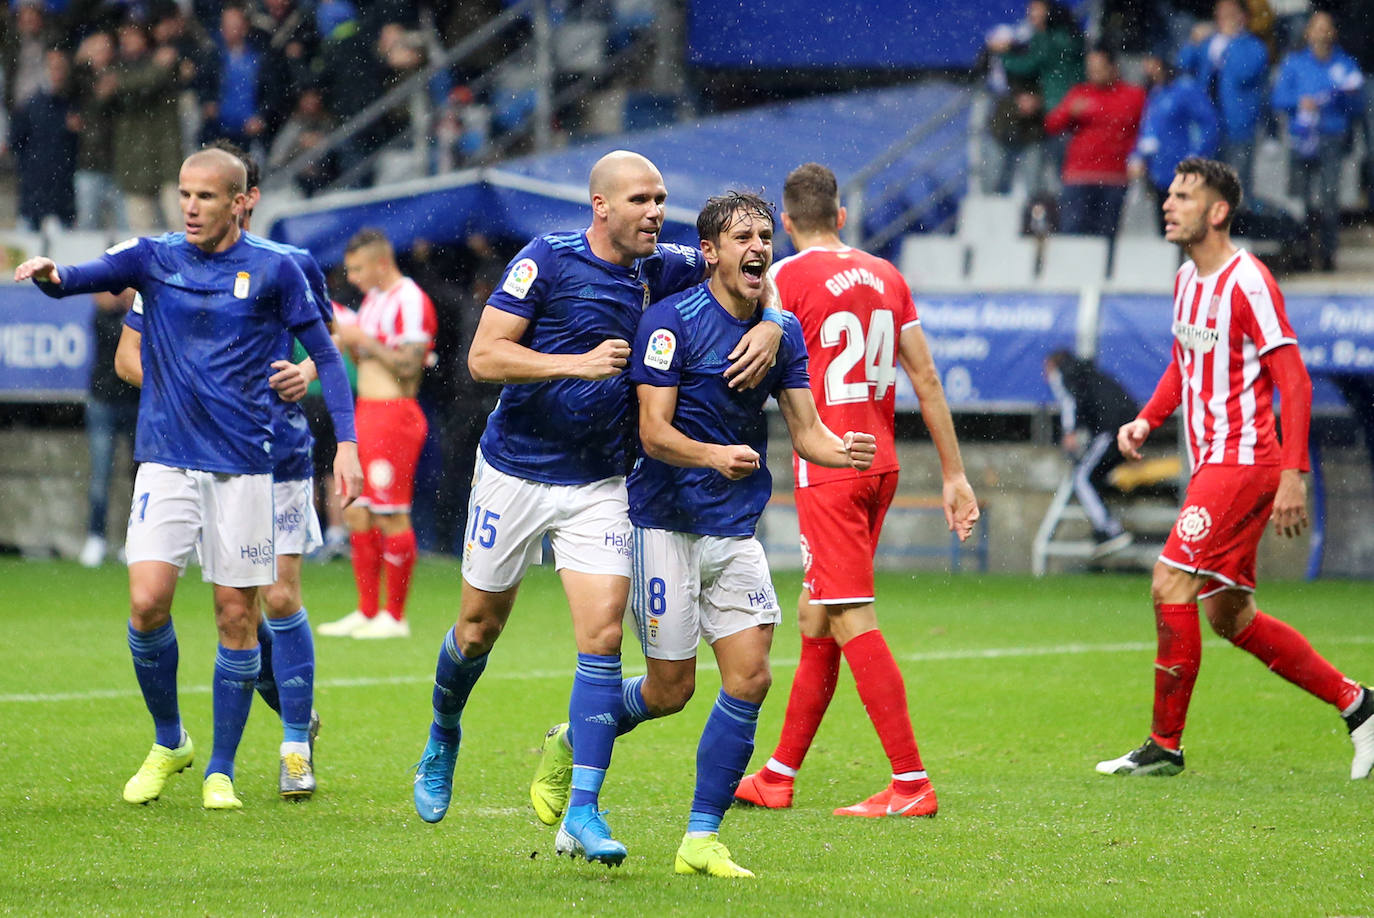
(216,304)
(552,461)
(287,646)
(695,500)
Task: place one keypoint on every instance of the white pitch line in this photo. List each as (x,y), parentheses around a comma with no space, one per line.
(938,656)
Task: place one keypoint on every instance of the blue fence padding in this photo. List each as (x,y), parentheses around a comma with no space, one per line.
(45,345)
(875,34)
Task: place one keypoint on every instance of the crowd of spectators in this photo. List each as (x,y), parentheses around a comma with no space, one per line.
(1063,121)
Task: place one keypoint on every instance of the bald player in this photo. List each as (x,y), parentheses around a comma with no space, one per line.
(217,302)
(552,461)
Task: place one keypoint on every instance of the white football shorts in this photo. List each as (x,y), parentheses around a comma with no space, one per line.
(687,587)
(225,519)
(588,526)
(296,529)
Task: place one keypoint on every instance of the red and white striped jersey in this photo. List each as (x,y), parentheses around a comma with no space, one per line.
(1222,325)
(401,314)
(853,307)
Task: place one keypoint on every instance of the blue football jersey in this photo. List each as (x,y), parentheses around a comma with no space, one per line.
(212,325)
(684,341)
(575,431)
(292,443)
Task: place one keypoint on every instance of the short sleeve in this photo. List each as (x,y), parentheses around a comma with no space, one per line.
(134,317)
(1258,306)
(906,308)
(683,266)
(657,357)
(527,280)
(792,354)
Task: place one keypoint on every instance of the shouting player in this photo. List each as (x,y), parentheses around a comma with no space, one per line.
(1232,348)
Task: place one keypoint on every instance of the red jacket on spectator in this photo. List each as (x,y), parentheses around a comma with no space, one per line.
(1104,121)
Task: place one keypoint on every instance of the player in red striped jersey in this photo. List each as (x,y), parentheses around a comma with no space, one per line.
(1232,348)
(859,321)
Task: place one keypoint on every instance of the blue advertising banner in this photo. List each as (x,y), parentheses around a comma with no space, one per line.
(990,348)
(45,345)
(876,34)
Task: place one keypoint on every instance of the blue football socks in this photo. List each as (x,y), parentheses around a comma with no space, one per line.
(267,678)
(236,671)
(293,654)
(454,677)
(155,664)
(727,742)
(595,709)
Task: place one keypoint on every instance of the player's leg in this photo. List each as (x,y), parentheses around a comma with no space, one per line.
(392,480)
(288,674)
(511,515)
(739,611)
(164,523)
(365,539)
(1281,647)
(238,557)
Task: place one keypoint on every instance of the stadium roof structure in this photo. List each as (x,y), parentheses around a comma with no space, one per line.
(866,134)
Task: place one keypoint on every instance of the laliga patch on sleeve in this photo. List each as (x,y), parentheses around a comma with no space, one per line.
(521,278)
(659,354)
(122,246)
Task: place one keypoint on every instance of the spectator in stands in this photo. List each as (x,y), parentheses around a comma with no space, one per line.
(1179,121)
(1041,61)
(234,111)
(1092,406)
(45,148)
(111,414)
(26,44)
(99,202)
(1101,117)
(348,71)
(1320,90)
(305,130)
(197,71)
(289,50)
(1233,64)
(147,135)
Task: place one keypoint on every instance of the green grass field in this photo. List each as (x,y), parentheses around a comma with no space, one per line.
(1017,687)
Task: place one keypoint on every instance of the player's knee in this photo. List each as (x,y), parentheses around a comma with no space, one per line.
(281,599)
(751,686)
(668,696)
(1170,585)
(602,638)
(476,636)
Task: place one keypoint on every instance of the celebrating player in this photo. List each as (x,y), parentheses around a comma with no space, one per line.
(216,304)
(552,461)
(859,320)
(392,339)
(1233,347)
(284,639)
(696,498)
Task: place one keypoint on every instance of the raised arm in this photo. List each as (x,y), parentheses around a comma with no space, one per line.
(815,442)
(667,444)
(497,356)
(961,506)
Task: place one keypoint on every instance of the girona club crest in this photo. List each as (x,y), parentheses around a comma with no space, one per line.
(1194,523)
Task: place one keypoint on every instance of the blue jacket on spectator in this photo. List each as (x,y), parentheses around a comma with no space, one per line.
(1335,83)
(1236,82)
(1179,122)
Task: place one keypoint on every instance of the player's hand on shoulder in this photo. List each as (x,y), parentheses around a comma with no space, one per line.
(861,448)
(1131,436)
(961,506)
(736,461)
(754,356)
(607,359)
(39,268)
(289,382)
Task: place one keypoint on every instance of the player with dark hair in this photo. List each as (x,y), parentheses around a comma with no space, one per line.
(217,303)
(859,321)
(1233,347)
(695,500)
(287,648)
(552,460)
(391,340)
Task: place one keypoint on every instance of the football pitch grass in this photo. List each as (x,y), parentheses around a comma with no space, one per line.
(1018,687)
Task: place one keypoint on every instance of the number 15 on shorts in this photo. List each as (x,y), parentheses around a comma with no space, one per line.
(483,529)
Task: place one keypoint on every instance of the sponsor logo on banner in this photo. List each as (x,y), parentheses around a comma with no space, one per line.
(521,278)
(659,354)
(1194,523)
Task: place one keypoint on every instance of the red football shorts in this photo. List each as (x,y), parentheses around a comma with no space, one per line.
(391,434)
(840,522)
(1217,533)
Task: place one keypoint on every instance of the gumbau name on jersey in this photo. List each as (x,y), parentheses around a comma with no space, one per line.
(1196,337)
(854,277)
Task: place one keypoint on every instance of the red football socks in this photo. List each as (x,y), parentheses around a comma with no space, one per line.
(883,693)
(367,568)
(398,551)
(812,689)
(1176,665)
(1286,652)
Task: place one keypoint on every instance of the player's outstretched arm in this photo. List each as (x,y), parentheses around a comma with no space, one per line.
(497,356)
(815,442)
(667,444)
(128,360)
(960,504)
(43,270)
(757,351)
